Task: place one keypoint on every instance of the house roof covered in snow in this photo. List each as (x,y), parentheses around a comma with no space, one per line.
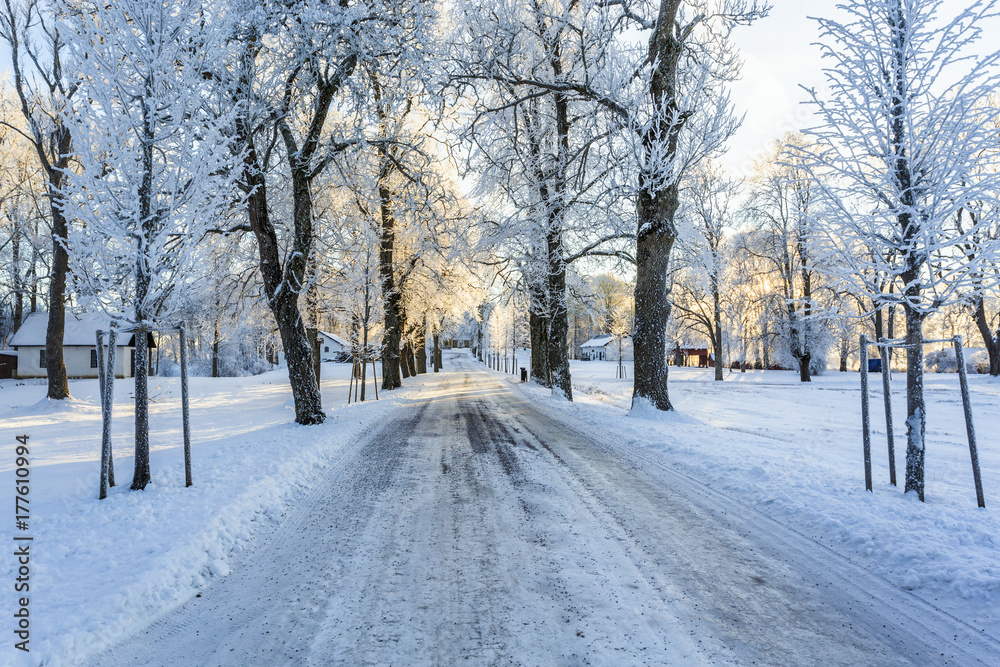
(336,339)
(80,330)
(599,341)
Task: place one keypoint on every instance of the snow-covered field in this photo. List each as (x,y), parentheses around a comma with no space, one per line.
(794,452)
(102,569)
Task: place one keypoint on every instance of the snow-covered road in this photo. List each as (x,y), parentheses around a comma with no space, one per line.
(475,528)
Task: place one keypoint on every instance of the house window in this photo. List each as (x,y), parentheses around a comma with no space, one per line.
(93,358)
(326,348)
(41,358)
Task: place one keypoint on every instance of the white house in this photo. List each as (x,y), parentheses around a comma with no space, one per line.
(330,345)
(79,346)
(605,348)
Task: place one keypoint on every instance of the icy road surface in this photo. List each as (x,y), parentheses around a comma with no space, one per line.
(476,529)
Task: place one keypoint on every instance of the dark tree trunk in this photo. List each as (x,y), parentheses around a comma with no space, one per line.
(33,275)
(404,368)
(804,361)
(991,343)
(656,207)
(55,364)
(312,335)
(910,228)
(411,362)
(404,356)
(844,351)
(436,354)
(141,474)
(655,241)
(33,282)
(215,349)
(148,224)
(915,411)
(282,284)
(421,348)
(717,333)
(54,152)
(392,299)
(15,253)
(539,330)
(558,338)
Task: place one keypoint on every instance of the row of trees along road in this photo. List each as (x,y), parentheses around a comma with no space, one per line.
(166,128)
(577,118)
(316,135)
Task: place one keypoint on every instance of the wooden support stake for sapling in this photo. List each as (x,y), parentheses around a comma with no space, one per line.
(350,382)
(106,374)
(887,396)
(184,408)
(865,423)
(967,405)
(100,367)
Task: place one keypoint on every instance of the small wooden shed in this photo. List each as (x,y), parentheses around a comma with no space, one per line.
(690,356)
(8,364)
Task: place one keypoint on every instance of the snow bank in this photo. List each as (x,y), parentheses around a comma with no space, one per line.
(103,569)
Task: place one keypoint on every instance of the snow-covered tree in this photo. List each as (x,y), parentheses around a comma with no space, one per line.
(302,98)
(46,84)
(23,221)
(904,133)
(537,142)
(153,160)
(709,200)
(784,211)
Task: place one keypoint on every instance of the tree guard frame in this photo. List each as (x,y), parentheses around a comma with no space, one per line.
(885,344)
(106,377)
(359,372)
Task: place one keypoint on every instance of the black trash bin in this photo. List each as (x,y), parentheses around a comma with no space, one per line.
(524,374)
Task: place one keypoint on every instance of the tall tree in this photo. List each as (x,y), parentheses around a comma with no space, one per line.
(297,69)
(538,141)
(154,164)
(907,93)
(783,211)
(687,116)
(708,212)
(45,89)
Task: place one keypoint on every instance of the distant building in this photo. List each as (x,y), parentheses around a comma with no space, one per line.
(8,364)
(693,356)
(332,347)
(79,346)
(605,348)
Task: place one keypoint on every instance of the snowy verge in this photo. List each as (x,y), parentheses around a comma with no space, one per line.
(101,570)
(793,452)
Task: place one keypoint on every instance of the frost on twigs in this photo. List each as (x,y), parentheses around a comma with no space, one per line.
(905,158)
(154,167)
